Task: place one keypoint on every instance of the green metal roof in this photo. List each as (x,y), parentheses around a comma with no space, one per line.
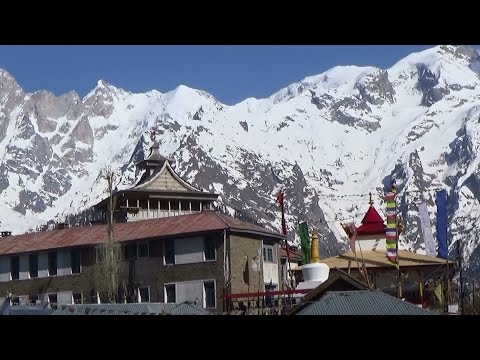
(361,302)
(131,309)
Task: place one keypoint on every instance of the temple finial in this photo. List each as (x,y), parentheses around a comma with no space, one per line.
(153,135)
(371,200)
(314,248)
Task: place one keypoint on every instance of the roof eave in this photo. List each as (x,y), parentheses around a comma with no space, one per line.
(257,232)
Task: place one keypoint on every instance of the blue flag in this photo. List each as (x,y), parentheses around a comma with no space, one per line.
(442,224)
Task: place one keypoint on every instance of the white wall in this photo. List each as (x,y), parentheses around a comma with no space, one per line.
(42,264)
(24,267)
(189,291)
(63,262)
(64,298)
(189,250)
(4,268)
(372,244)
(270,273)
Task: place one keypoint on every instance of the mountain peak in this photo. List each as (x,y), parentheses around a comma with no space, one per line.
(106,86)
(101,84)
(5,74)
(7,78)
(183,90)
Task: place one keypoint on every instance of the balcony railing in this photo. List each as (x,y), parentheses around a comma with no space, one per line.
(144,214)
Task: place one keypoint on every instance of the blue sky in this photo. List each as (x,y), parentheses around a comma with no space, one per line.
(230,73)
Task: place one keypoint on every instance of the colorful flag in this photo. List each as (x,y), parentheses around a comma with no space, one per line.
(442,224)
(305,242)
(426,229)
(391,231)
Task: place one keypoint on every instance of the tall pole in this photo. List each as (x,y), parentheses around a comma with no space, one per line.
(280,199)
(442,237)
(473,296)
(399,282)
(459,253)
(448,288)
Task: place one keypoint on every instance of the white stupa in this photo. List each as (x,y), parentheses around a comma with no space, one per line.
(314,273)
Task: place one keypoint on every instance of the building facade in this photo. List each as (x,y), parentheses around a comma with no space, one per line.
(367,261)
(198,258)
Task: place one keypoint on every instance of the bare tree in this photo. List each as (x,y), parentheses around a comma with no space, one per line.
(109,255)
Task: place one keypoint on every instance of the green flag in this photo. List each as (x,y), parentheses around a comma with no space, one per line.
(305,242)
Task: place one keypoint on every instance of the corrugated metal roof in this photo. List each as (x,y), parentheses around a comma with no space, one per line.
(154,228)
(379,259)
(131,309)
(337,281)
(188,309)
(361,302)
(37,309)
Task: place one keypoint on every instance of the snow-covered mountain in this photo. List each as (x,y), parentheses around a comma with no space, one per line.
(328,141)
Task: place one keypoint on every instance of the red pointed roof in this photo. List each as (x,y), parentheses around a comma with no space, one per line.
(372,216)
(372,223)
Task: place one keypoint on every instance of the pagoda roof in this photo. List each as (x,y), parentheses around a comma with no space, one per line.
(372,223)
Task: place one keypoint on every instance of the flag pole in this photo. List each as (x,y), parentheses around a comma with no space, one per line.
(447,297)
(248,286)
(280,199)
(260,275)
(399,280)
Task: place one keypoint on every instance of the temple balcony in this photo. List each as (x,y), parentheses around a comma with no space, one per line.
(145,214)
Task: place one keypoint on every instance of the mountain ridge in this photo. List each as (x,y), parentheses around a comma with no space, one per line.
(328,140)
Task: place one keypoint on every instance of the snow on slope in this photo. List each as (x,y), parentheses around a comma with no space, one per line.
(328,140)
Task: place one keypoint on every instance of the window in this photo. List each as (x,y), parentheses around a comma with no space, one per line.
(209,244)
(75,261)
(143,204)
(33,299)
(269,298)
(170,295)
(14,267)
(154,205)
(33,265)
(144,294)
(142,249)
(169,252)
(209,294)
(52,300)
(195,205)
(268,253)
(130,251)
(185,205)
(52,263)
(77,298)
(99,254)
